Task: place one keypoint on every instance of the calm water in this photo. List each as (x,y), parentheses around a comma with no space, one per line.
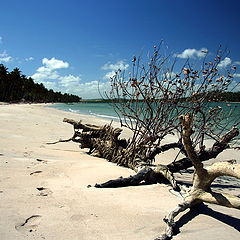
(105,110)
(102,110)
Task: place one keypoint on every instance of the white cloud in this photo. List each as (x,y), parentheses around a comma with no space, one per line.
(120,65)
(114,67)
(234,86)
(225,62)
(192,53)
(109,75)
(93,89)
(48,70)
(43,74)
(54,63)
(50,85)
(87,90)
(50,77)
(29,59)
(70,81)
(4,57)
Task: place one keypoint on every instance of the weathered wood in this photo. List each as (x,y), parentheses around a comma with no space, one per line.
(203,178)
(104,141)
(204,155)
(169,220)
(142,175)
(79,125)
(148,175)
(164,148)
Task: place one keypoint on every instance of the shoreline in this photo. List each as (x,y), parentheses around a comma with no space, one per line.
(93,114)
(101,116)
(44,194)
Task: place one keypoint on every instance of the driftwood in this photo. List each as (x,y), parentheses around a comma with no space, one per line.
(104,141)
(203,178)
(204,155)
(101,137)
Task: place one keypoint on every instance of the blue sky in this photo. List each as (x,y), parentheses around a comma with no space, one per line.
(71,45)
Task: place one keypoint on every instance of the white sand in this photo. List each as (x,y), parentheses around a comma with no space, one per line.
(66,209)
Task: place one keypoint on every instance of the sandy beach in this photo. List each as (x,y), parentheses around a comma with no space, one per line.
(44,193)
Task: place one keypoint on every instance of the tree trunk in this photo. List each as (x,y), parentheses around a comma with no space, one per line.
(104,140)
(203,178)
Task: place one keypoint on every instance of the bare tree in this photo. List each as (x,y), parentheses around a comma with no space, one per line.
(203,177)
(149,101)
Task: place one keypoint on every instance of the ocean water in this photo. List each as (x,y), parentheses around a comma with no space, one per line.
(105,110)
(101,110)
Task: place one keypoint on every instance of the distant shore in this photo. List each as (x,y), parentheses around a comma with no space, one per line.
(44,194)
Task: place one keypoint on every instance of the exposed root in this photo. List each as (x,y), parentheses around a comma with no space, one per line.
(148,175)
(142,175)
(201,189)
(60,140)
(169,220)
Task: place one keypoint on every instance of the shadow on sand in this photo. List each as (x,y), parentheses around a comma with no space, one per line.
(205,210)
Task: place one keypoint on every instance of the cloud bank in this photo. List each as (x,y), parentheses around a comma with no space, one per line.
(48,75)
(4,57)
(225,62)
(120,65)
(192,53)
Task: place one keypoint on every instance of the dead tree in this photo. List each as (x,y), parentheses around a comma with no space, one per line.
(104,142)
(149,101)
(203,177)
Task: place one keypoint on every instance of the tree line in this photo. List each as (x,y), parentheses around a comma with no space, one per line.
(16,87)
(230,97)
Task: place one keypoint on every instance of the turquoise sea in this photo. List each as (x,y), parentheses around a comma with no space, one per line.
(101,110)
(105,110)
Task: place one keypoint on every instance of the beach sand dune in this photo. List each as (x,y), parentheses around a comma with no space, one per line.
(44,193)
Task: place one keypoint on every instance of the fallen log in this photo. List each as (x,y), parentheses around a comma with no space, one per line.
(104,142)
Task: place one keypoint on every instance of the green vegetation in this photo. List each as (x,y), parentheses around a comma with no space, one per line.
(216,96)
(230,97)
(15,87)
(213,97)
